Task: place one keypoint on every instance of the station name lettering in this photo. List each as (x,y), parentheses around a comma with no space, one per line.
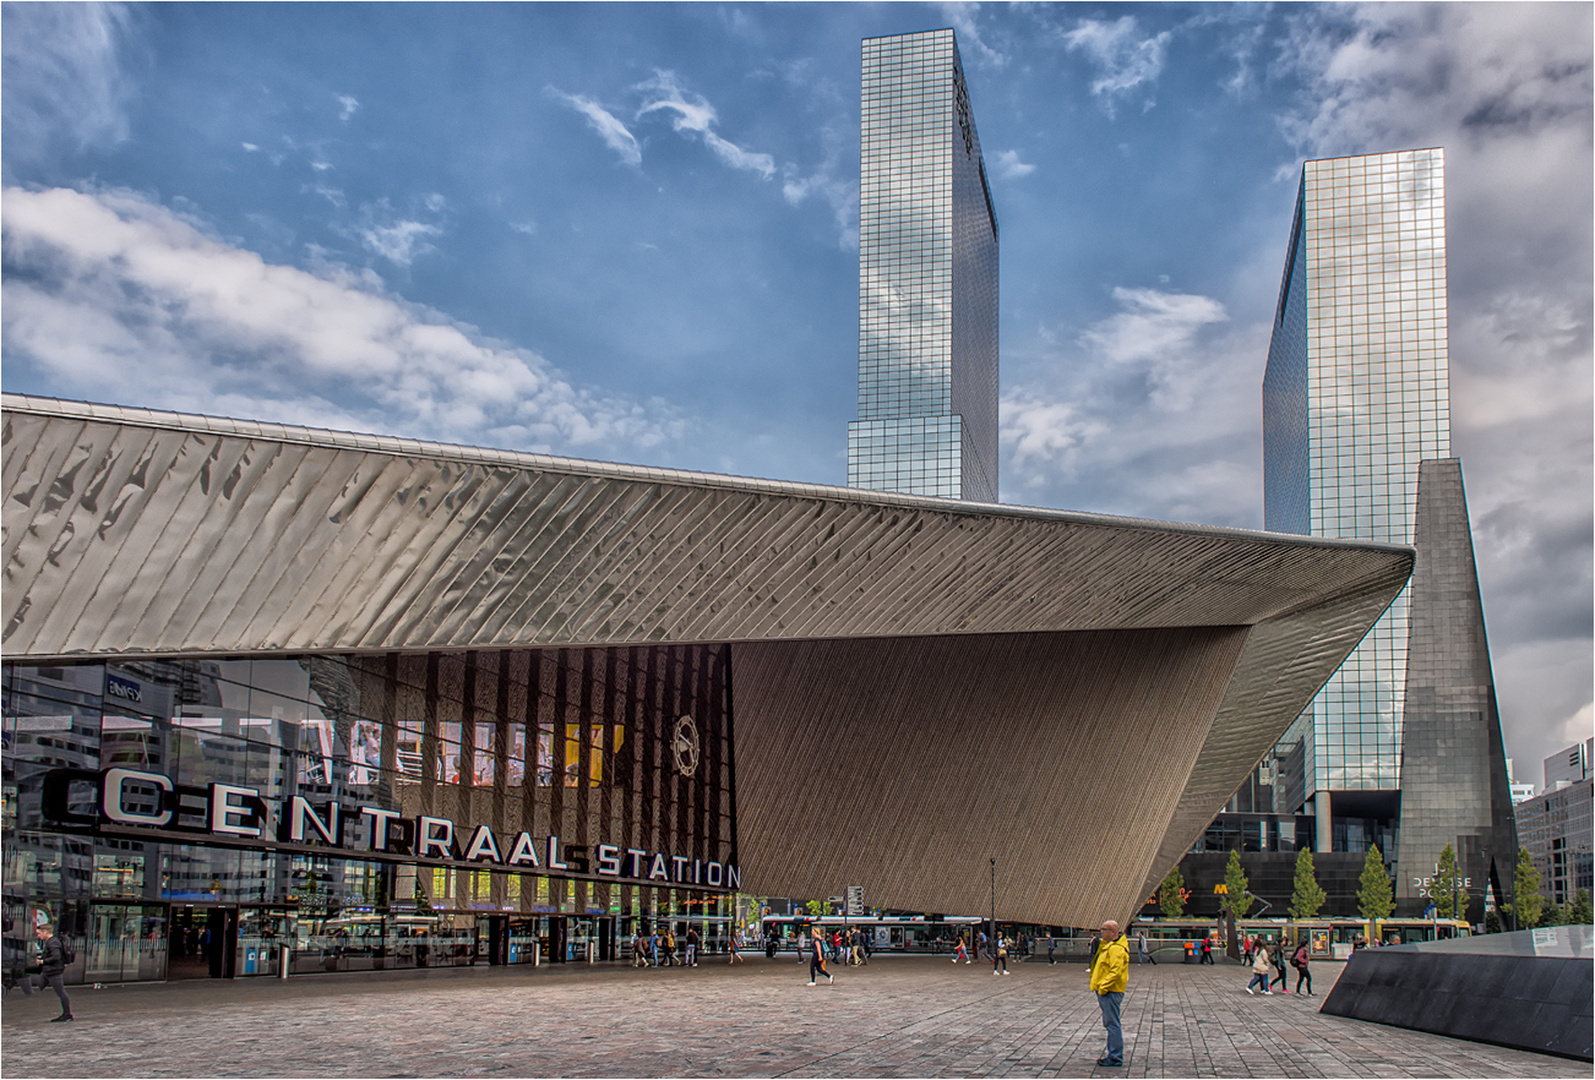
(236,812)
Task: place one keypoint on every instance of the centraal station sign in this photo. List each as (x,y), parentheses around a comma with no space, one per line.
(133,802)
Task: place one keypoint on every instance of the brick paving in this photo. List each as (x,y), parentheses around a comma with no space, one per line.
(900,1016)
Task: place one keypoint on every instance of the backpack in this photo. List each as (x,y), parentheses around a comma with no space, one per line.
(67,955)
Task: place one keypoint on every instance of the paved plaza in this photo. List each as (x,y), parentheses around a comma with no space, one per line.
(900,1016)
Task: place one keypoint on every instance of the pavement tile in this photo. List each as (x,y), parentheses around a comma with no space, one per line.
(899,1016)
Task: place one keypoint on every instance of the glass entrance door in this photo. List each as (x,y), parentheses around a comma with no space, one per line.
(126,943)
(201,941)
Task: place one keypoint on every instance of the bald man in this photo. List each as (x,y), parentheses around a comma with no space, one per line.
(1110,974)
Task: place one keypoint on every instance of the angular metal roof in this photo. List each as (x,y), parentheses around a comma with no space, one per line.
(135,532)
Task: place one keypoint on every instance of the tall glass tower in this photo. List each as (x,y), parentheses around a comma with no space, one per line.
(1356,394)
(927,279)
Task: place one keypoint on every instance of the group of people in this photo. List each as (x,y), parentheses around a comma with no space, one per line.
(1267,961)
(658,948)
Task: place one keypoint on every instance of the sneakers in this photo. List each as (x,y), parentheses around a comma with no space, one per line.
(1268,993)
(1110,1063)
(829,978)
(811,982)
(1249,990)
(58,1019)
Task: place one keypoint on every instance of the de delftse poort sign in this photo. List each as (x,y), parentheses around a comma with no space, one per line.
(240,816)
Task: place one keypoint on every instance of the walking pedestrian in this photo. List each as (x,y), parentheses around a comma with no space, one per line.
(1299,962)
(1141,951)
(1278,957)
(1260,968)
(963,950)
(980,945)
(692,946)
(1207,950)
(1052,948)
(1110,976)
(999,954)
(54,955)
(817,958)
(735,945)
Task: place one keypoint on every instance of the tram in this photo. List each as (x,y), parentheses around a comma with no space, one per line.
(887,933)
(1327,938)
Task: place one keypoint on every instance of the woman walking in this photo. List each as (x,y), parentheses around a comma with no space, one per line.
(817,958)
(1300,961)
(735,946)
(1260,968)
(962,951)
(1278,957)
(1001,957)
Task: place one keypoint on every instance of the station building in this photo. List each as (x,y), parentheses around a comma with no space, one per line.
(359,702)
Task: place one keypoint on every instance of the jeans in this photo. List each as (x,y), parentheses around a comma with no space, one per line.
(56,982)
(1111,1003)
(692,956)
(1303,973)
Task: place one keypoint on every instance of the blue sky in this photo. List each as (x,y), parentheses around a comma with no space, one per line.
(629,232)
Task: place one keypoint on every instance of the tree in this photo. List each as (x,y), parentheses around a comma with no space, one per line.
(1307,897)
(1171,894)
(1235,882)
(1579,910)
(815,908)
(1373,893)
(1526,902)
(1445,884)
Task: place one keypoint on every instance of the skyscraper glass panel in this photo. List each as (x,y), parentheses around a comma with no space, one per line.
(927,280)
(1356,394)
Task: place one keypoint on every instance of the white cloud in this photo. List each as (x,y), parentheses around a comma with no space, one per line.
(109,289)
(399,241)
(63,76)
(693,113)
(614,133)
(840,194)
(1009,167)
(962,16)
(1125,61)
(250,147)
(1150,412)
(347,106)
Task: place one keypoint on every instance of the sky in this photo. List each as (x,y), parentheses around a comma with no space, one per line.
(629,232)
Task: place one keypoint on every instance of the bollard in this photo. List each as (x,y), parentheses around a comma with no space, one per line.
(282,962)
(537,954)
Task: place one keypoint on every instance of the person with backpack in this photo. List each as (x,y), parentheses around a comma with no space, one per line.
(56,954)
(1299,962)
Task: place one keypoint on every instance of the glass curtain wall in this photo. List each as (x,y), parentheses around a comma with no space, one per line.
(623,746)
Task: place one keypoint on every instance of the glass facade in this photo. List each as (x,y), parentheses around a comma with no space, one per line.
(927,335)
(1356,394)
(193,817)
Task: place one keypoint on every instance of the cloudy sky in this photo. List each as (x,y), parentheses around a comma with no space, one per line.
(630,233)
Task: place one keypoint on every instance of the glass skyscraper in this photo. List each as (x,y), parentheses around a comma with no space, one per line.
(927,279)
(1356,394)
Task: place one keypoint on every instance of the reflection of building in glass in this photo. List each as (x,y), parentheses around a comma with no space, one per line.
(927,318)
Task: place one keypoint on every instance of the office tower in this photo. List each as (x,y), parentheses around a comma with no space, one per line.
(927,279)
(1355,395)
(1570,766)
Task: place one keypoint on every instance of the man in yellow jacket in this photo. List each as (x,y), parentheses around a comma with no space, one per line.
(1110,974)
